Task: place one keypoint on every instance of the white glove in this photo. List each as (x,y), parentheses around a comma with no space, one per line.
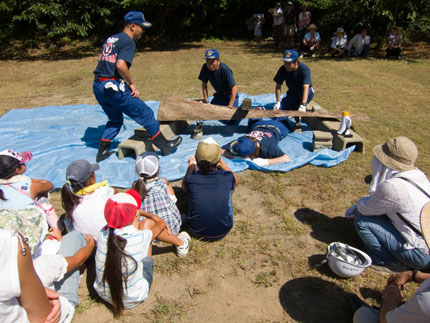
(302,108)
(351,212)
(277,106)
(261,162)
(111,85)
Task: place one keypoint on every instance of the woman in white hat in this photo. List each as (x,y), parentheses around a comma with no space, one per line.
(339,43)
(388,221)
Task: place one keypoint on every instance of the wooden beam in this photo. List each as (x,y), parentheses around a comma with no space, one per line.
(176,108)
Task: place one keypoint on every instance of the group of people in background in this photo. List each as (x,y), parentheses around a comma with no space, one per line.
(292,30)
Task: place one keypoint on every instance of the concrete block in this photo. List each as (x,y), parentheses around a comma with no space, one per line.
(139,142)
(322,139)
(340,142)
(136,144)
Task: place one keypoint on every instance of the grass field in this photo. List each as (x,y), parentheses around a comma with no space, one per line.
(266,269)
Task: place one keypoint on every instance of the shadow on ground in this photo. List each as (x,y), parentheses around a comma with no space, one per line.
(311,299)
(328,230)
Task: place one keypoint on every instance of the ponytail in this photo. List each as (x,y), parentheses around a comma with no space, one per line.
(68,199)
(206,167)
(113,274)
(140,187)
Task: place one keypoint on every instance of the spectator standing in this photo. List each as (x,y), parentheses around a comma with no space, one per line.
(278,24)
(304,21)
(290,24)
(257,30)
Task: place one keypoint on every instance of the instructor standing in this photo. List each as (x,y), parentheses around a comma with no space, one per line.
(116,91)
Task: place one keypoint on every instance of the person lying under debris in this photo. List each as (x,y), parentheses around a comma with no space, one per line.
(261,144)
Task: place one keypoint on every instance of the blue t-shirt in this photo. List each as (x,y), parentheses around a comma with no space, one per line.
(209,203)
(222,80)
(268,139)
(294,79)
(118,46)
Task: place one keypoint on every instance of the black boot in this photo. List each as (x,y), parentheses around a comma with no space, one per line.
(103,152)
(166,146)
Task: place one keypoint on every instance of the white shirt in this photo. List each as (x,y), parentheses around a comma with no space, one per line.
(51,268)
(138,242)
(278,18)
(416,309)
(10,310)
(358,42)
(339,43)
(88,216)
(397,195)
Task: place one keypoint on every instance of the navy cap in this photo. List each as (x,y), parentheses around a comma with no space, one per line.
(243,147)
(81,170)
(290,55)
(212,54)
(136,17)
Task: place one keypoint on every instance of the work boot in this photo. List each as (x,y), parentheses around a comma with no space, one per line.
(103,152)
(166,146)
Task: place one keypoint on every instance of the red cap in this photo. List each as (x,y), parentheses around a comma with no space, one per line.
(121,208)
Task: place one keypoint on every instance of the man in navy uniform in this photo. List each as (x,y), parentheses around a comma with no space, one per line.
(297,77)
(116,92)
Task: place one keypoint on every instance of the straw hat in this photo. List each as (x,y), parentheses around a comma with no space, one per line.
(312,26)
(425,223)
(398,153)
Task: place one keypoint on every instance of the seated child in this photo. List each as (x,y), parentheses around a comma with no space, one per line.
(18,191)
(261,144)
(22,297)
(160,198)
(58,266)
(123,260)
(209,183)
(83,199)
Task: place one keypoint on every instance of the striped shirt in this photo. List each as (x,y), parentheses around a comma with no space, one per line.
(137,246)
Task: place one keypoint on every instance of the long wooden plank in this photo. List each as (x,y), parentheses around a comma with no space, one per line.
(175,108)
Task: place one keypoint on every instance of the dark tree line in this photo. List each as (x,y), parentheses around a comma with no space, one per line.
(191,20)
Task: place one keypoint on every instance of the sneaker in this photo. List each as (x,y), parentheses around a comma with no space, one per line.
(182,251)
(301,56)
(313,55)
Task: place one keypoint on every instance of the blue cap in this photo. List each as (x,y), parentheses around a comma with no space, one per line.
(290,55)
(212,54)
(136,17)
(244,146)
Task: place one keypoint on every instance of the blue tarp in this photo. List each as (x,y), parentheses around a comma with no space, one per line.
(58,135)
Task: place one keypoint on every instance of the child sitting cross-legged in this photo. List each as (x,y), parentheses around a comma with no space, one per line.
(160,198)
(123,260)
(209,183)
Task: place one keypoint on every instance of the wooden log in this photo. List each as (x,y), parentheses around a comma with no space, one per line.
(176,108)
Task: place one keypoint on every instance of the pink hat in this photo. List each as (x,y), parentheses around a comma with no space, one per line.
(23,157)
(121,208)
